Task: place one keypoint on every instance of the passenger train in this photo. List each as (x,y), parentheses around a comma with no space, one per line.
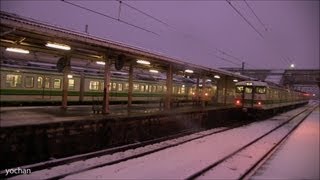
(35,83)
(257,97)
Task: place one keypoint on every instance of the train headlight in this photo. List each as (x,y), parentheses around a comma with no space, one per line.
(259,103)
(237,101)
(206,94)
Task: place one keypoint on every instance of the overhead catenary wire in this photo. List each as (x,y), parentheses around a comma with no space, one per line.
(110,17)
(144,13)
(245,19)
(265,28)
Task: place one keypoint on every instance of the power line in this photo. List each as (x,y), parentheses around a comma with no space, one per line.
(183,34)
(244,18)
(255,15)
(150,16)
(110,17)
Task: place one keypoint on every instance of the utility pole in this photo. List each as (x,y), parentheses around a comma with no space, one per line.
(242,68)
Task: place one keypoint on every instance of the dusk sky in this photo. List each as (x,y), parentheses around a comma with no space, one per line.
(198,32)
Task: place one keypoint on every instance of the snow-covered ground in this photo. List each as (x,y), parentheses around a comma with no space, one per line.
(298,157)
(181,161)
(173,163)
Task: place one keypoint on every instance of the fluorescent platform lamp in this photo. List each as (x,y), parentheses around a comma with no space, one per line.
(58,46)
(17,50)
(216,76)
(235,80)
(143,62)
(100,62)
(70,76)
(208,80)
(153,71)
(188,71)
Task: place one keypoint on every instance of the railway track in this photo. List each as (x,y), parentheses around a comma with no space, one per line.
(161,146)
(227,163)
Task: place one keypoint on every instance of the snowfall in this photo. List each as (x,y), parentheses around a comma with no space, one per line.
(296,158)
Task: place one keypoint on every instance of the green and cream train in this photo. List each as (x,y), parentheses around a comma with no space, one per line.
(258,96)
(41,84)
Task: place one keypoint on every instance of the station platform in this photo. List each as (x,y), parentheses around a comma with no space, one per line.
(298,157)
(29,115)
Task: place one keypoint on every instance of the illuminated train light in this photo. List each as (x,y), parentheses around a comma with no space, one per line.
(237,102)
(259,103)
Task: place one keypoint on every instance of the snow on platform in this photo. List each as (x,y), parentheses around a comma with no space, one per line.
(298,157)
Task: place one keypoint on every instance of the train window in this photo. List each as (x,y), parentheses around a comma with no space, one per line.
(239,89)
(183,89)
(57,83)
(260,90)
(40,82)
(114,86)
(164,88)
(159,88)
(94,85)
(248,90)
(47,82)
(71,84)
(136,87)
(126,87)
(147,88)
(120,87)
(142,88)
(154,88)
(179,90)
(29,81)
(13,80)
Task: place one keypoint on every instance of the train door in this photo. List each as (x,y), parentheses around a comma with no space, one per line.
(248,95)
(44,83)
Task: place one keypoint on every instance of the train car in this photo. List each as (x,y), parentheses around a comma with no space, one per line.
(40,83)
(257,97)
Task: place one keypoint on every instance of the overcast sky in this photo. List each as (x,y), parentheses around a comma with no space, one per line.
(199,32)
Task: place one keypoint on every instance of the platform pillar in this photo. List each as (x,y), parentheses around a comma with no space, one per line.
(106,93)
(130,87)
(225,90)
(203,92)
(65,84)
(169,88)
(81,87)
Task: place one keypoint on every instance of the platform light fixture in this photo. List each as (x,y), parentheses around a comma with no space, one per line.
(235,80)
(70,76)
(143,62)
(292,65)
(216,76)
(58,46)
(208,80)
(153,71)
(17,50)
(188,71)
(100,62)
